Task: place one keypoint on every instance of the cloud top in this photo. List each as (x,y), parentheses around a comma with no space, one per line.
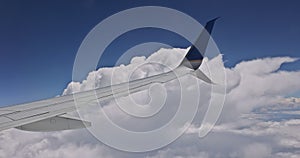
(258,120)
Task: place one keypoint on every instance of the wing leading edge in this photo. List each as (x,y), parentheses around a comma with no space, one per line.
(50,114)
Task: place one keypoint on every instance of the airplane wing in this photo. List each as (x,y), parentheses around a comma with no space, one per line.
(51,114)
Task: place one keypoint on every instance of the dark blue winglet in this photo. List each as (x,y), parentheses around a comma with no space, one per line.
(196,53)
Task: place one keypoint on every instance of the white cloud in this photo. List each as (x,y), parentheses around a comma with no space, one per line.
(256,120)
(256,150)
(139,67)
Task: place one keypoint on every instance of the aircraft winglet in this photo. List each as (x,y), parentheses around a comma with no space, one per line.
(195,55)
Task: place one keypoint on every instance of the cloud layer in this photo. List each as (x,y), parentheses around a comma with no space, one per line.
(258,118)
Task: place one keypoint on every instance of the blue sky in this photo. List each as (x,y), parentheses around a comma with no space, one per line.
(39,39)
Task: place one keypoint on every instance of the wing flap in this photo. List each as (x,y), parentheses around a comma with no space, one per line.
(56,123)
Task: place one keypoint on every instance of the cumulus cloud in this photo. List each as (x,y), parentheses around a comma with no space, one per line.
(139,67)
(258,119)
